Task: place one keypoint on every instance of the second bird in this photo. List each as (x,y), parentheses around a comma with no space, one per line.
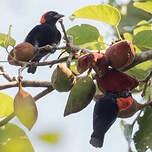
(44,34)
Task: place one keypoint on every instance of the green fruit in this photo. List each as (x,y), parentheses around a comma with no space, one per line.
(81,95)
(62,79)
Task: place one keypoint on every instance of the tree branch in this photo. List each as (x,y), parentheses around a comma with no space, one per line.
(139,58)
(26,83)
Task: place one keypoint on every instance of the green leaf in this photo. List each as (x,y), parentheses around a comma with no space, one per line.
(104,13)
(145,65)
(6,40)
(132,17)
(6,105)
(143,136)
(143,39)
(142,26)
(126,129)
(137,72)
(146,6)
(14,139)
(25,108)
(83,34)
(52,138)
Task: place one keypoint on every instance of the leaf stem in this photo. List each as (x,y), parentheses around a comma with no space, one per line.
(118,32)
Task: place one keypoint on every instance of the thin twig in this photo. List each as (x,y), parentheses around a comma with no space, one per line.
(5,74)
(146,80)
(43,93)
(64,31)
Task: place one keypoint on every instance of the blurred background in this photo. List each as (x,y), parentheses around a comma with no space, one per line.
(71,133)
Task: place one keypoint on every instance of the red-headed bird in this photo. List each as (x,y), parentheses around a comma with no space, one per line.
(104,115)
(44,34)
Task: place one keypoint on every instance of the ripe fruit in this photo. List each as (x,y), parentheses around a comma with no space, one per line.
(81,95)
(95,60)
(120,54)
(22,52)
(132,109)
(114,80)
(124,103)
(62,79)
(101,65)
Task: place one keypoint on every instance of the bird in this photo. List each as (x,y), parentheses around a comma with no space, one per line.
(105,113)
(46,33)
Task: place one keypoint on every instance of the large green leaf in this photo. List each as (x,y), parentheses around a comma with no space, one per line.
(143,137)
(146,6)
(86,36)
(143,39)
(14,139)
(83,34)
(104,13)
(6,105)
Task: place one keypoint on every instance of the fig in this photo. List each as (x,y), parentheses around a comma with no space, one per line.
(81,95)
(85,61)
(114,80)
(62,79)
(22,52)
(25,108)
(135,106)
(120,54)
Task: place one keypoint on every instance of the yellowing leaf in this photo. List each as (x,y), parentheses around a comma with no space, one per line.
(104,13)
(6,105)
(25,108)
(52,138)
(14,139)
(141,26)
(127,36)
(146,6)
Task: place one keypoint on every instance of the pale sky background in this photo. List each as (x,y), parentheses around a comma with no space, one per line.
(75,129)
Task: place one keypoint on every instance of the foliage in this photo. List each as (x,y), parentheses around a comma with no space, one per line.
(134,27)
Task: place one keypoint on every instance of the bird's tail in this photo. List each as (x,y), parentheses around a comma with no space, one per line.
(96,142)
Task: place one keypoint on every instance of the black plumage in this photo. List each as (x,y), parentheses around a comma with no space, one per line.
(44,34)
(105,114)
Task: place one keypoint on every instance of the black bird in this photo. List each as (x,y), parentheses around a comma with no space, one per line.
(105,113)
(44,34)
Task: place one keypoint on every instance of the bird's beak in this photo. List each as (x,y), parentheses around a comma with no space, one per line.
(58,16)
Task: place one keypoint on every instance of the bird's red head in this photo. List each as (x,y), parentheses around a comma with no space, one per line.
(43,18)
(50,17)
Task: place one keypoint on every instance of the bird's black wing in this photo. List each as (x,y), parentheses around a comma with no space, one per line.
(105,114)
